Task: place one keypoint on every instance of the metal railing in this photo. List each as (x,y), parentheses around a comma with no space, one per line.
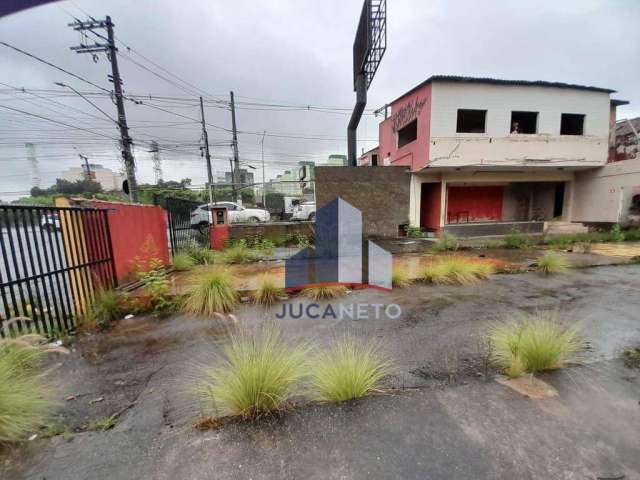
(53,261)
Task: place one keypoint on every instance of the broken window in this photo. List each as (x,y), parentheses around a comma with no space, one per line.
(572,124)
(408,133)
(471,121)
(524,122)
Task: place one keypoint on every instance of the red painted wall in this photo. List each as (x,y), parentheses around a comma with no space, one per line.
(430,206)
(138,234)
(481,203)
(416,153)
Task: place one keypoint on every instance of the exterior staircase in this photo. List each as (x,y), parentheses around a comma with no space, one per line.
(564,228)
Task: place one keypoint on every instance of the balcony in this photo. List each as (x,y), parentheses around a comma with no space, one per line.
(560,151)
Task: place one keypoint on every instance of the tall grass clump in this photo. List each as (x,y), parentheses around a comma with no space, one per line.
(350,368)
(268,291)
(182,261)
(213,293)
(25,399)
(516,239)
(259,371)
(533,343)
(324,292)
(400,277)
(551,263)
(458,270)
(240,253)
(201,255)
(445,243)
(107,307)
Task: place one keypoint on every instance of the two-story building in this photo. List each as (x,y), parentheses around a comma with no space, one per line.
(494,151)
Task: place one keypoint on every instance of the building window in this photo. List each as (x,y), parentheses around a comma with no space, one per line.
(408,133)
(524,122)
(572,124)
(471,121)
(374,160)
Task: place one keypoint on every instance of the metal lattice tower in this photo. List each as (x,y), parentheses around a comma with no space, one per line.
(157,163)
(33,162)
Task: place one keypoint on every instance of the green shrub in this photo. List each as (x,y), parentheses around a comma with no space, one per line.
(516,239)
(413,231)
(25,399)
(213,293)
(446,242)
(156,285)
(400,277)
(324,292)
(551,263)
(533,342)
(269,290)
(456,270)
(616,233)
(258,373)
(632,234)
(182,261)
(350,368)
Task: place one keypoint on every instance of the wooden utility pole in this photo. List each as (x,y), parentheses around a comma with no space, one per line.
(235,174)
(110,48)
(205,136)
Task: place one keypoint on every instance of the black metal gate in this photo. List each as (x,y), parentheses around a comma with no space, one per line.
(188,226)
(54,259)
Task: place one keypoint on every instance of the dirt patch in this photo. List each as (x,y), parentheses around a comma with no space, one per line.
(529,386)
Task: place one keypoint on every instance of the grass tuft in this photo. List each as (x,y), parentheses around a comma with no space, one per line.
(201,255)
(324,292)
(400,277)
(107,307)
(25,399)
(240,253)
(515,239)
(269,290)
(551,263)
(350,368)
(456,270)
(257,374)
(214,293)
(182,261)
(446,242)
(533,343)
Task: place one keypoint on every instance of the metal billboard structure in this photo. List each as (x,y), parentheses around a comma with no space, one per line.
(368,49)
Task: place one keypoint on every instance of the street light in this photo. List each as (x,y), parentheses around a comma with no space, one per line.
(64,85)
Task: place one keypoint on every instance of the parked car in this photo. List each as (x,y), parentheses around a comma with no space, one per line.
(304,211)
(50,221)
(236,213)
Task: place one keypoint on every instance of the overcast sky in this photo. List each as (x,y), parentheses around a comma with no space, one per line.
(295,53)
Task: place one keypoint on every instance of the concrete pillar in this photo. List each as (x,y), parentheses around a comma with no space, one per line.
(443,203)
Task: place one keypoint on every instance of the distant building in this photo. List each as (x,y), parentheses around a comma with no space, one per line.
(369,158)
(246,177)
(293,182)
(337,160)
(107,178)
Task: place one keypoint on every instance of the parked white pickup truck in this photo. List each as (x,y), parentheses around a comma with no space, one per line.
(236,213)
(304,211)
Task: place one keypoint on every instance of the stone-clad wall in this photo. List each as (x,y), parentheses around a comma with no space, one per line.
(380,193)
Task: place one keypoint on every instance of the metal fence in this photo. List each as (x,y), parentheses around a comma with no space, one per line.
(185,231)
(54,260)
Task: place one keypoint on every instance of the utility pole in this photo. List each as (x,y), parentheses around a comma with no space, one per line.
(235,173)
(264,180)
(205,136)
(87,168)
(110,48)
(157,163)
